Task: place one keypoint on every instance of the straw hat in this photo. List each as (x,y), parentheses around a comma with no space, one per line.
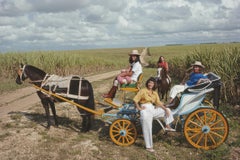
(197,63)
(134,52)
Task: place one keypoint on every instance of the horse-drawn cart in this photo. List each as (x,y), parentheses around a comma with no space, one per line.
(203,126)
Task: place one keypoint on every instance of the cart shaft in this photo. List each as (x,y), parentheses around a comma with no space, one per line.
(97,112)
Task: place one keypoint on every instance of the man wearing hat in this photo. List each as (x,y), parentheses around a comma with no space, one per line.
(128,76)
(195,77)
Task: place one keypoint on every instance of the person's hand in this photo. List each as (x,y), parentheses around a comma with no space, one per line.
(201,80)
(123,74)
(142,108)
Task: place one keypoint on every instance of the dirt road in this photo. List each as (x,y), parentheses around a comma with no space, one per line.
(24,98)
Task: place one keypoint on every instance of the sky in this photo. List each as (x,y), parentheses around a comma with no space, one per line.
(27,25)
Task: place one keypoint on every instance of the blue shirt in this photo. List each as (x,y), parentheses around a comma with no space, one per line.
(194,77)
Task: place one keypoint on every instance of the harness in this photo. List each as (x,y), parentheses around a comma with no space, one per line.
(21,73)
(69,87)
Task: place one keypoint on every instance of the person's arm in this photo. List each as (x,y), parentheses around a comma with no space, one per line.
(137,99)
(127,73)
(138,106)
(129,68)
(185,78)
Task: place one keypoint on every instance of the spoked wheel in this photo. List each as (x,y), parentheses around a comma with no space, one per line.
(123,132)
(206,128)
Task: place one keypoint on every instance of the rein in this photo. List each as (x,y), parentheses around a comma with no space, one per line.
(36,81)
(22,73)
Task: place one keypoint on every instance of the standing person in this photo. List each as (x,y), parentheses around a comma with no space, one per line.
(127,76)
(195,77)
(162,64)
(148,103)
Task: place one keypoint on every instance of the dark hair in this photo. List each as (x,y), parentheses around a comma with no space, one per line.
(160,59)
(153,80)
(200,68)
(137,59)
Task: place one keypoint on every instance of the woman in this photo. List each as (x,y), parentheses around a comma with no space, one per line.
(161,64)
(196,77)
(148,103)
(127,76)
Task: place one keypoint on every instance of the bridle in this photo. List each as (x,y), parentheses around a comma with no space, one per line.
(23,76)
(21,73)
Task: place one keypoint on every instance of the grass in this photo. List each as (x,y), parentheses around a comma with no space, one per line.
(182,50)
(89,62)
(9,85)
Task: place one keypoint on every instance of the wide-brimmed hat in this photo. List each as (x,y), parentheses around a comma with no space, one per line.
(197,63)
(134,52)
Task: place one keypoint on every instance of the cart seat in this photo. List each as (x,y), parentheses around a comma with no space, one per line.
(205,87)
(133,87)
(195,89)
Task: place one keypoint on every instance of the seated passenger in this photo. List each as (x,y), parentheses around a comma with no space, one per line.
(195,77)
(148,103)
(127,76)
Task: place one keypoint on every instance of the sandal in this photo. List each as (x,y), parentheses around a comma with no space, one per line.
(150,150)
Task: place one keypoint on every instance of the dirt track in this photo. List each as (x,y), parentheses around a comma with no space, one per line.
(24,98)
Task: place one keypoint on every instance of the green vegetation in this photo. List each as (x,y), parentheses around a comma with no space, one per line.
(65,62)
(222,59)
(225,63)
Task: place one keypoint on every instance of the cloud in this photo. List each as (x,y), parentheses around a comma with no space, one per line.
(60,24)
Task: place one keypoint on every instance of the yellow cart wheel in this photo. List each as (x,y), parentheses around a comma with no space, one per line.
(206,128)
(123,132)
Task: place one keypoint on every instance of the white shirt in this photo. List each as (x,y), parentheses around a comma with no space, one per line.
(137,70)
